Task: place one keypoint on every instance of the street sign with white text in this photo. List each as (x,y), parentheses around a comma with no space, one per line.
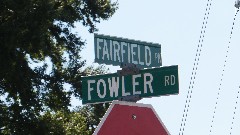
(147,83)
(117,51)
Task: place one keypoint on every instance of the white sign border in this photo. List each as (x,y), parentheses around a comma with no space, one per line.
(128,104)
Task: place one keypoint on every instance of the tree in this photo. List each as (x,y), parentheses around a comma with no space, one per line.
(93,113)
(65,123)
(80,120)
(39,54)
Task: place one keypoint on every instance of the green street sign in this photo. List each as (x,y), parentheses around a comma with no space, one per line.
(147,83)
(117,51)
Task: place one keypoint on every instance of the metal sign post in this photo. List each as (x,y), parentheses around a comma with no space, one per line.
(129,84)
(129,69)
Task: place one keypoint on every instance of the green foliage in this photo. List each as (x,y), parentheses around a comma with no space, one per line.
(39,54)
(81,120)
(65,123)
(93,114)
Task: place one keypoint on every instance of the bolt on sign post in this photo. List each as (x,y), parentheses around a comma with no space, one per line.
(128,118)
(117,51)
(147,83)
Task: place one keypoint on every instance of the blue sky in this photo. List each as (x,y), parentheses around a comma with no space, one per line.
(176,25)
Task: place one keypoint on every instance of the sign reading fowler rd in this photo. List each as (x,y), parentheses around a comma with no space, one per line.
(148,83)
(116,51)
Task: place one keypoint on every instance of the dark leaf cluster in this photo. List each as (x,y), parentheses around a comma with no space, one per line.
(40,55)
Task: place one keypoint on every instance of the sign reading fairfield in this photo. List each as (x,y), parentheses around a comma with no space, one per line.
(117,51)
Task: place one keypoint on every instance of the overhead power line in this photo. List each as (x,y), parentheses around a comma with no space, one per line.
(223,70)
(234,112)
(195,67)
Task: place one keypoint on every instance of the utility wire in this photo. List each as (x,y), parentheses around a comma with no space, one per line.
(195,67)
(234,112)
(221,80)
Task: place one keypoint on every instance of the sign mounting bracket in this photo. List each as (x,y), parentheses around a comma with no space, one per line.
(132,98)
(128,69)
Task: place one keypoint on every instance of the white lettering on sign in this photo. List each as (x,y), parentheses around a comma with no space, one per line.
(120,51)
(98,46)
(147,53)
(158,57)
(89,88)
(129,50)
(104,88)
(111,57)
(124,93)
(149,83)
(169,80)
(173,79)
(133,53)
(113,86)
(139,57)
(135,83)
(166,80)
(105,50)
(116,51)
